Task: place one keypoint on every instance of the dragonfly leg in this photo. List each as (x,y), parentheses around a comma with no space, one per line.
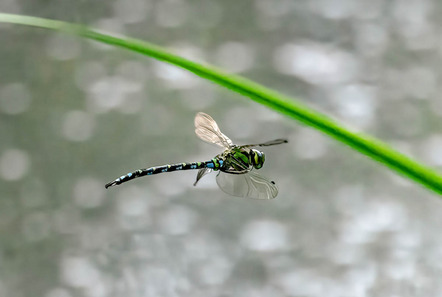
(201,173)
(232,171)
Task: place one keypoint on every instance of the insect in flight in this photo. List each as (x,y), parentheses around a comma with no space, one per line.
(235,165)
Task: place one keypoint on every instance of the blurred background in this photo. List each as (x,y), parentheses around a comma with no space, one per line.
(75,114)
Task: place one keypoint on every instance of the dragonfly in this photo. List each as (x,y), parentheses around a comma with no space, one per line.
(235,165)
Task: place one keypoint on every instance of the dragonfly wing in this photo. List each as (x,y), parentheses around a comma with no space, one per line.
(268,143)
(250,185)
(201,173)
(207,129)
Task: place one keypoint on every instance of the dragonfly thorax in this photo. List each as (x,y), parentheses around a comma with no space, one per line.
(240,159)
(257,158)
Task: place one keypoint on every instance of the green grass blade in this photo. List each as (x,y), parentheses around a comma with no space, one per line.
(369,146)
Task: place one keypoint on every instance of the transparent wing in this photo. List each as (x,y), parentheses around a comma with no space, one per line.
(250,185)
(201,173)
(268,143)
(207,129)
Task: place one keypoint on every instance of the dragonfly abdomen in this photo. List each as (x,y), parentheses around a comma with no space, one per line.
(214,164)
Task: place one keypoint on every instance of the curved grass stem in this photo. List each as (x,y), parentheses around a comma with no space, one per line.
(365,144)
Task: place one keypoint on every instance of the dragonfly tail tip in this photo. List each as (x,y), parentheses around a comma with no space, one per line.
(108,185)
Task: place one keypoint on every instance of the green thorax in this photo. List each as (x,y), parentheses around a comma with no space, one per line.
(236,159)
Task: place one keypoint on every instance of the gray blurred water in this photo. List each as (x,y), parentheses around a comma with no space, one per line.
(75,114)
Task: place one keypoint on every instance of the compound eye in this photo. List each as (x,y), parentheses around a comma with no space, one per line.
(258,159)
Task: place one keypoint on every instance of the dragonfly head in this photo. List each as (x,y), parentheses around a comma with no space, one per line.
(257,158)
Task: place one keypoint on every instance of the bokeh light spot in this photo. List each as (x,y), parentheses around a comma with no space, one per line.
(264,235)
(315,63)
(14,164)
(78,126)
(79,272)
(177,220)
